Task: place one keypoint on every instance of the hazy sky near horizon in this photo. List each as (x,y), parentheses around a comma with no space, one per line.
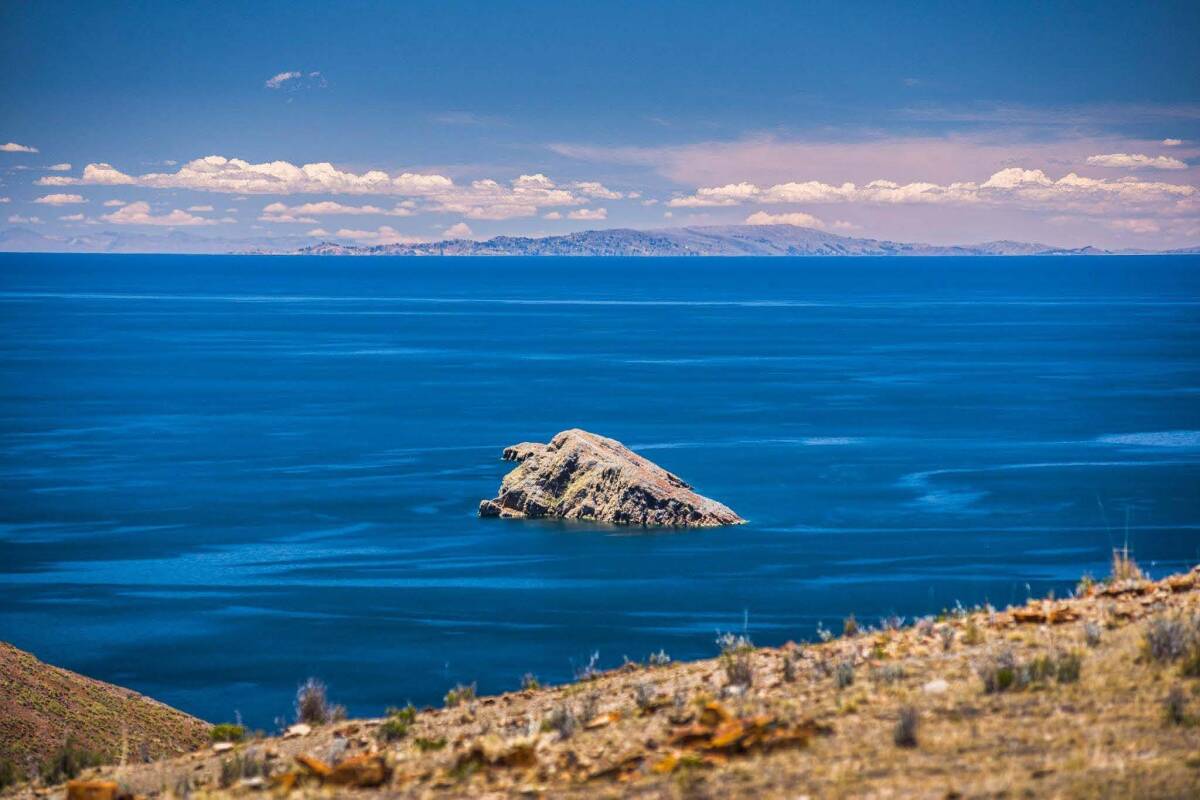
(368,122)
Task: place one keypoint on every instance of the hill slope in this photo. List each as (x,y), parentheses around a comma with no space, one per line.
(1097,696)
(43,707)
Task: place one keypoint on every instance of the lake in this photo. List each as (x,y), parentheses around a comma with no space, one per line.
(222,475)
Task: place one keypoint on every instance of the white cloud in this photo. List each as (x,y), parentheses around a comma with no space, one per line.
(588,214)
(596,190)
(63,167)
(105,175)
(139,214)
(13,147)
(73,218)
(318,232)
(1135,161)
(114,203)
(385,234)
(200,208)
(459,230)
(552,215)
(60,199)
(524,196)
(19,220)
(728,195)
(295,79)
(278,212)
(56,180)
(1172,142)
(5,199)
(1135,225)
(1014,187)
(797,218)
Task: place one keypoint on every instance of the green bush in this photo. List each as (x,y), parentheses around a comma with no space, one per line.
(397,724)
(69,761)
(461,693)
(227,732)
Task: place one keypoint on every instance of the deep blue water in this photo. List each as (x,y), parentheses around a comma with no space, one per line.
(222,475)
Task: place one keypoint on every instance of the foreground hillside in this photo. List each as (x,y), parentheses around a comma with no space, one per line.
(1090,697)
(50,715)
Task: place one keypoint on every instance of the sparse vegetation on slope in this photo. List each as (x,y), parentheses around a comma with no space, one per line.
(55,723)
(1028,701)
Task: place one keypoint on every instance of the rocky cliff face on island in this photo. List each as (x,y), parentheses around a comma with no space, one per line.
(582,476)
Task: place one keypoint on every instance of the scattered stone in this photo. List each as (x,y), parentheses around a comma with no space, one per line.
(363,772)
(935,686)
(92,790)
(299,729)
(222,747)
(582,476)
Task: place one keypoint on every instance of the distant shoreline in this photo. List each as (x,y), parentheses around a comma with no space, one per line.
(728,241)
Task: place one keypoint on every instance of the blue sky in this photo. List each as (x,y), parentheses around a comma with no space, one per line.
(1067,123)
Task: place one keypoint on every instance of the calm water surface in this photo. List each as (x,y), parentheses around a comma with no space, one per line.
(221,475)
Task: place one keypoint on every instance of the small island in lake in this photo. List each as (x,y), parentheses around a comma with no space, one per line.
(583,476)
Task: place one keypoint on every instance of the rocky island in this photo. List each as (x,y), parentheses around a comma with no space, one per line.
(583,476)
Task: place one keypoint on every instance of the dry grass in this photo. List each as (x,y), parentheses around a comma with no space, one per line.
(50,714)
(1094,718)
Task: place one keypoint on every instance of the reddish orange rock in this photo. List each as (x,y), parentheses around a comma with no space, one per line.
(92,790)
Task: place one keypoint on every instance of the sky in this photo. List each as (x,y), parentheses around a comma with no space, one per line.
(364,122)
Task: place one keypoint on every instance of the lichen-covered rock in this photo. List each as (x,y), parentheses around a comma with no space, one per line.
(582,476)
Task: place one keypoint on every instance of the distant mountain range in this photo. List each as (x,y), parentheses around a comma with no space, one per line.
(723,240)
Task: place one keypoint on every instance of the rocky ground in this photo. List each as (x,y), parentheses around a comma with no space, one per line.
(1096,696)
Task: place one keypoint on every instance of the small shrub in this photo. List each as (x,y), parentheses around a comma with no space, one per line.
(426,745)
(312,704)
(397,723)
(791,661)
(68,761)
(905,732)
(589,671)
(562,720)
(1169,639)
(947,634)
(589,706)
(735,659)
(1175,706)
(1002,671)
(843,674)
(1084,587)
(823,633)
(1067,666)
(889,673)
(891,623)
(643,696)
(227,732)
(998,671)
(971,634)
(8,773)
(1124,568)
(659,659)
(529,682)
(240,766)
(925,627)
(461,693)
(1091,634)
(850,626)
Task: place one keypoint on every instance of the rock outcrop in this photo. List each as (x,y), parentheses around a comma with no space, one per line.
(582,476)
